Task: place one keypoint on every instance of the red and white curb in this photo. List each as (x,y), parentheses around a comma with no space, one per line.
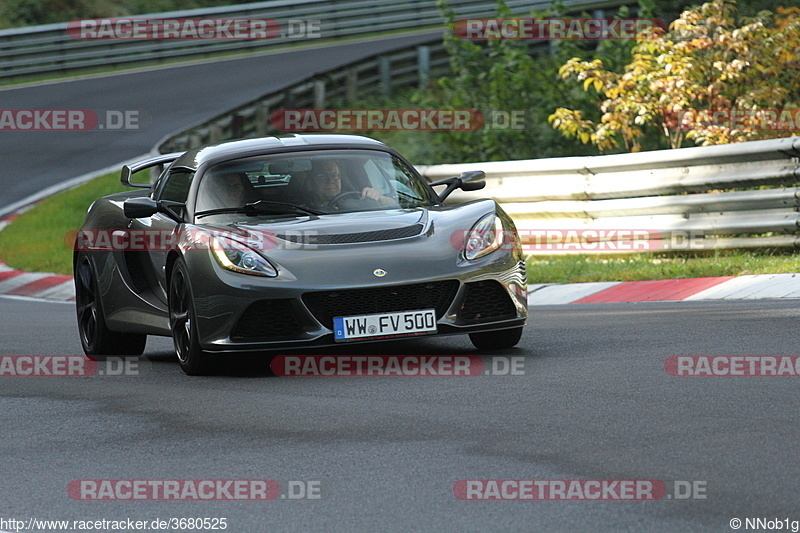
(36,284)
(670,290)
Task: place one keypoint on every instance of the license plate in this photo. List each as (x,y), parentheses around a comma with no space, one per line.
(348,328)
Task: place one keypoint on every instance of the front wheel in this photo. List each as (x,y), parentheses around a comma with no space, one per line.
(97,340)
(496,340)
(183,325)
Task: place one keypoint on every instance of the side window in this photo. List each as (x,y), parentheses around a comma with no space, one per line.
(378,177)
(176,186)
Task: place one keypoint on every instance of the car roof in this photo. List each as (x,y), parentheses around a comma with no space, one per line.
(209,155)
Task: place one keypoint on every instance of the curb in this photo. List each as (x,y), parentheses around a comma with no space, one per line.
(58,287)
(749,287)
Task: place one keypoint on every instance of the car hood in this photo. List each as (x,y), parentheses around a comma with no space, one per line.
(344,223)
(337,228)
(344,249)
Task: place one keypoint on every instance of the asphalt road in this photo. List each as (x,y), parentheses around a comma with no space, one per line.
(594,402)
(164,101)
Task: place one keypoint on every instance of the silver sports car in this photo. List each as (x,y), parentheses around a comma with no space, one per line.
(289,242)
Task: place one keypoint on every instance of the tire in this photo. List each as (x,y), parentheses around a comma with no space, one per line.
(496,340)
(97,340)
(183,325)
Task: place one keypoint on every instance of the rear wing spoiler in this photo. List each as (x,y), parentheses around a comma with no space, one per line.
(129,170)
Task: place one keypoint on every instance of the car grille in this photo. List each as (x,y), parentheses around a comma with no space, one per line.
(326,305)
(487,300)
(267,319)
(350,238)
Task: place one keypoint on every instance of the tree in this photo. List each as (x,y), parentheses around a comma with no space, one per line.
(706,80)
(500,77)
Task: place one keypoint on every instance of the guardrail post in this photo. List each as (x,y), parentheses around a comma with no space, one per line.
(214,134)
(350,84)
(423,64)
(288,99)
(385,74)
(237,126)
(261,118)
(319,94)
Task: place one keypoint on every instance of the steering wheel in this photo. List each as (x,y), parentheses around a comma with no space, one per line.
(334,202)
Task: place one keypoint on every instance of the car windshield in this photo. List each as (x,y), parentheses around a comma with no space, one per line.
(330,181)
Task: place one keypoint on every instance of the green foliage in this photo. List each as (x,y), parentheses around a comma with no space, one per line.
(686,81)
(499,78)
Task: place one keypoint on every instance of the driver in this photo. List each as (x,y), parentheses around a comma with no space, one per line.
(326,184)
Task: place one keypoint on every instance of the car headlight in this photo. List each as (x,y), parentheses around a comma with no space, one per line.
(484,238)
(240,258)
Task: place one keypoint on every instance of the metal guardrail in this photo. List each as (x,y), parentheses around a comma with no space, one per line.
(50,49)
(675,200)
(402,68)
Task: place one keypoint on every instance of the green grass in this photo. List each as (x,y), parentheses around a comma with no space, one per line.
(37,240)
(576,269)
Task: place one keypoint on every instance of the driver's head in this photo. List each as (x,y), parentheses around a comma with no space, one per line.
(326,182)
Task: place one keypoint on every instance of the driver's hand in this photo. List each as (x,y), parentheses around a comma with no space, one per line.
(369,192)
(374,194)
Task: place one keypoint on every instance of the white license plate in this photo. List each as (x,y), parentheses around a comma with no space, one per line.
(350,328)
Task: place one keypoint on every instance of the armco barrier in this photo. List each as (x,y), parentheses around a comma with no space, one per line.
(50,49)
(684,199)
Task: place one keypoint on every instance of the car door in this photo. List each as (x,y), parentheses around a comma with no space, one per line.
(155,235)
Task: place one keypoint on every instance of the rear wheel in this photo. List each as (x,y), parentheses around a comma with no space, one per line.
(97,340)
(496,340)
(193,360)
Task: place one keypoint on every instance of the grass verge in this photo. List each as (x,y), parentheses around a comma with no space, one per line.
(35,241)
(578,269)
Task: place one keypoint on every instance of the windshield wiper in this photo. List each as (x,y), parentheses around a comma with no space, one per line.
(262,206)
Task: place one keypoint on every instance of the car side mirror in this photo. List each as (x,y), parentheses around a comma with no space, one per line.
(471,180)
(146,207)
(140,207)
(473,176)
